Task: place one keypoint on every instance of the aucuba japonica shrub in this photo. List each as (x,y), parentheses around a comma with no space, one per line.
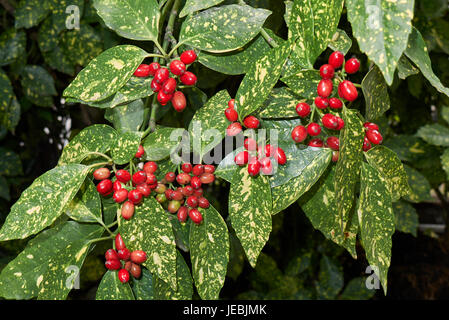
(305,126)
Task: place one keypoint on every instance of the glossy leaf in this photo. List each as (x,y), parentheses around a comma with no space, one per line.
(126,146)
(435,134)
(406,68)
(57,60)
(128,117)
(86,206)
(9,106)
(192,6)
(161,143)
(30,12)
(12,46)
(43,202)
(375,92)
(381,30)
(419,184)
(340,42)
(37,79)
(143,287)
(226,168)
(110,288)
(303,83)
(406,218)
(280,103)
(75,41)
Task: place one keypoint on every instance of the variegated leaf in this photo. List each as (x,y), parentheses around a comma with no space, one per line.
(375,92)
(75,41)
(10,163)
(390,167)
(420,186)
(410,148)
(12,46)
(330,279)
(303,83)
(222,29)
(131,19)
(226,168)
(405,217)
(197,5)
(110,288)
(348,165)
(86,206)
(376,220)
(30,12)
(126,146)
(38,80)
(435,134)
(9,105)
(406,68)
(43,202)
(260,79)
(106,74)
(209,253)
(143,287)
(128,117)
(250,212)
(161,143)
(381,29)
(150,230)
(281,103)
(340,42)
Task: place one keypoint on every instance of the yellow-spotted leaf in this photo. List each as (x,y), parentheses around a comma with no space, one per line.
(12,45)
(381,29)
(281,103)
(250,212)
(303,83)
(162,143)
(143,288)
(209,253)
(106,74)
(226,168)
(375,91)
(128,117)
(150,230)
(420,186)
(110,288)
(86,206)
(30,12)
(435,134)
(376,220)
(9,105)
(340,42)
(406,68)
(126,146)
(405,217)
(197,5)
(43,202)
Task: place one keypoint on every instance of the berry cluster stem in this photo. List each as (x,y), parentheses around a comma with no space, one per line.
(269,39)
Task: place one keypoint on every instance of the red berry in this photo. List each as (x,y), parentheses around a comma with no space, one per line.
(231,114)
(313,129)
(123,176)
(366,144)
(251,122)
(169,86)
(196,216)
(101,174)
(113,264)
(195,182)
(104,187)
(169,194)
(234,129)
(183,178)
(155,86)
(179,101)
(144,189)
(203,203)
(347,90)
(279,156)
(352,65)
(268,151)
(111,254)
(120,195)
(254,168)
(188,57)
(207,178)
(198,192)
(241,158)
(182,214)
(341,123)
(123,275)
(161,75)
(208,168)
(188,190)
(303,109)
(231,103)
(192,202)
(177,195)
(335,103)
(140,152)
(316,142)
(160,188)
(124,254)
(250,144)
(299,134)
(374,136)
(127,210)
(198,170)
(135,270)
(138,256)
(329,121)
(266,166)
(117,185)
(371,125)
(151,179)
(327,71)
(119,243)
(321,103)
(177,67)
(186,167)
(135,196)
(324,88)
(150,167)
(139,177)
(335,155)
(336,59)
(188,78)
(142,71)
(333,143)
(170,176)
(164,98)
(154,66)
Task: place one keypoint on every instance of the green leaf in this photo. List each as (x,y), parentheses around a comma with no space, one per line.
(330,279)
(435,134)
(143,287)
(445,161)
(418,53)
(382,30)
(38,80)
(12,46)
(391,169)
(4,189)
(10,164)
(224,28)
(209,253)
(406,68)
(317,18)
(376,220)
(340,42)
(356,290)
(86,206)
(75,41)
(110,288)
(43,202)
(23,276)
(161,143)
(260,79)
(57,59)
(197,5)
(406,217)
(419,184)
(48,35)
(9,106)
(375,92)
(445,113)
(30,12)
(128,117)
(319,206)
(207,131)
(281,103)
(106,74)
(126,146)
(182,233)
(226,168)
(303,83)
(250,212)
(348,165)
(150,230)
(238,61)
(131,19)
(95,138)
(184,283)
(410,148)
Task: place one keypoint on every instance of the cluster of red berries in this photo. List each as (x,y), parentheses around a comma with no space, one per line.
(125,261)
(188,196)
(250,122)
(372,135)
(259,158)
(165,85)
